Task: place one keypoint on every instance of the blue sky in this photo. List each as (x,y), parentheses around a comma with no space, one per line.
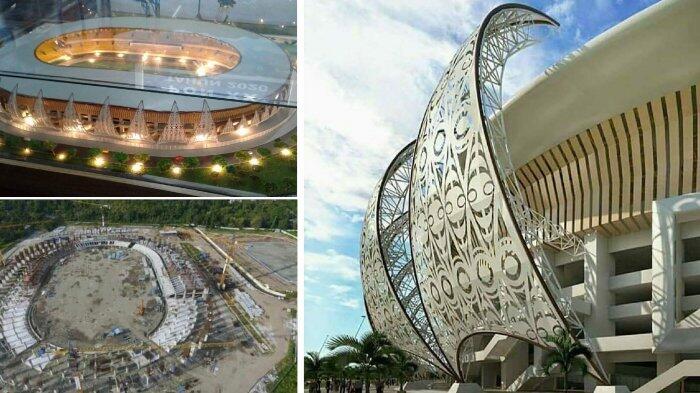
(370,67)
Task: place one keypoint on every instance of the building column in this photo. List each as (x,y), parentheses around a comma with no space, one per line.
(597,269)
(663,363)
(514,363)
(489,375)
(664,266)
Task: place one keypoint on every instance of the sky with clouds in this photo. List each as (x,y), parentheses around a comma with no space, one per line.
(370,68)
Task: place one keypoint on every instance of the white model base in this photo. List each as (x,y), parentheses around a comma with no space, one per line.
(465,388)
(611,389)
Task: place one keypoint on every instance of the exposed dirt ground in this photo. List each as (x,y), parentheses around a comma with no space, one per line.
(240,370)
(91,294)
(270,257)
(278,256)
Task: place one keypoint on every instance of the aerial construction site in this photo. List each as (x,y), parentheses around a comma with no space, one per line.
(100,307)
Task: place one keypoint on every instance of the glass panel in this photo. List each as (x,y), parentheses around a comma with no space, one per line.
(243,50)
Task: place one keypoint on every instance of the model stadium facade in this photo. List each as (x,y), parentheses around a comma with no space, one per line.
(138,85)
(567,211)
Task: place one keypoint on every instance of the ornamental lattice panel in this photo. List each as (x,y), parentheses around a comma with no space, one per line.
(449,247)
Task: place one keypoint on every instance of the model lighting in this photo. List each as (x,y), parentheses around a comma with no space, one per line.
(254,161)
(243,131)
(91,61)
(217,169)
(137,167)
(120,55)
(30,120)
(285,152)
(202,70)
(176,170)
(61,156)
(99,161)
(144,57)
(158,59)
(26,151)
(97,54)
(183,60)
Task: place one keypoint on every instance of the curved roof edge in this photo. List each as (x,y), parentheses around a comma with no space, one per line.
(651,53)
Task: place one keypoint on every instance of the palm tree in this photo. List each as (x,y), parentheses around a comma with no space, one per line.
(333,368)
(313,367)
(569,355)
(402,367)
(369,352)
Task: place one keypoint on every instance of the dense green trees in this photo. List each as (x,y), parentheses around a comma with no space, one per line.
(49,214)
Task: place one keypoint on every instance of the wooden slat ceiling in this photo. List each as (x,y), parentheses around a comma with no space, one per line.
(607,176)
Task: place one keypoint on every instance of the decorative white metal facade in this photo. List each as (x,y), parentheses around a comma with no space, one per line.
(71,118)
(29,115)
(449,246)
(138,129)
(206,129)
(12,107)
(174,131)
(105,125)
(39,112)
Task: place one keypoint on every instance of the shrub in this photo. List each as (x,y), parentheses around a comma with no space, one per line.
(142,158)
(263,151)
(279,144)
(49,146)
(13,142)
(221,160)
(72,152)
(164,164)
(94,152)
(120,158)
(191,162)
(35,145)
(242,155)
(230,169)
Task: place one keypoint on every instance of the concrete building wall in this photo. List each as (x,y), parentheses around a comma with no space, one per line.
(639,298)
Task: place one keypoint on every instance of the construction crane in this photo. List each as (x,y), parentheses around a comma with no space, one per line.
(102,207)
(227,262)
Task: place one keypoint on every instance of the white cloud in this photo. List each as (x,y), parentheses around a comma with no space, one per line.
(340,289)
(562,10)
(332,264)
(350,303)
(370,68)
